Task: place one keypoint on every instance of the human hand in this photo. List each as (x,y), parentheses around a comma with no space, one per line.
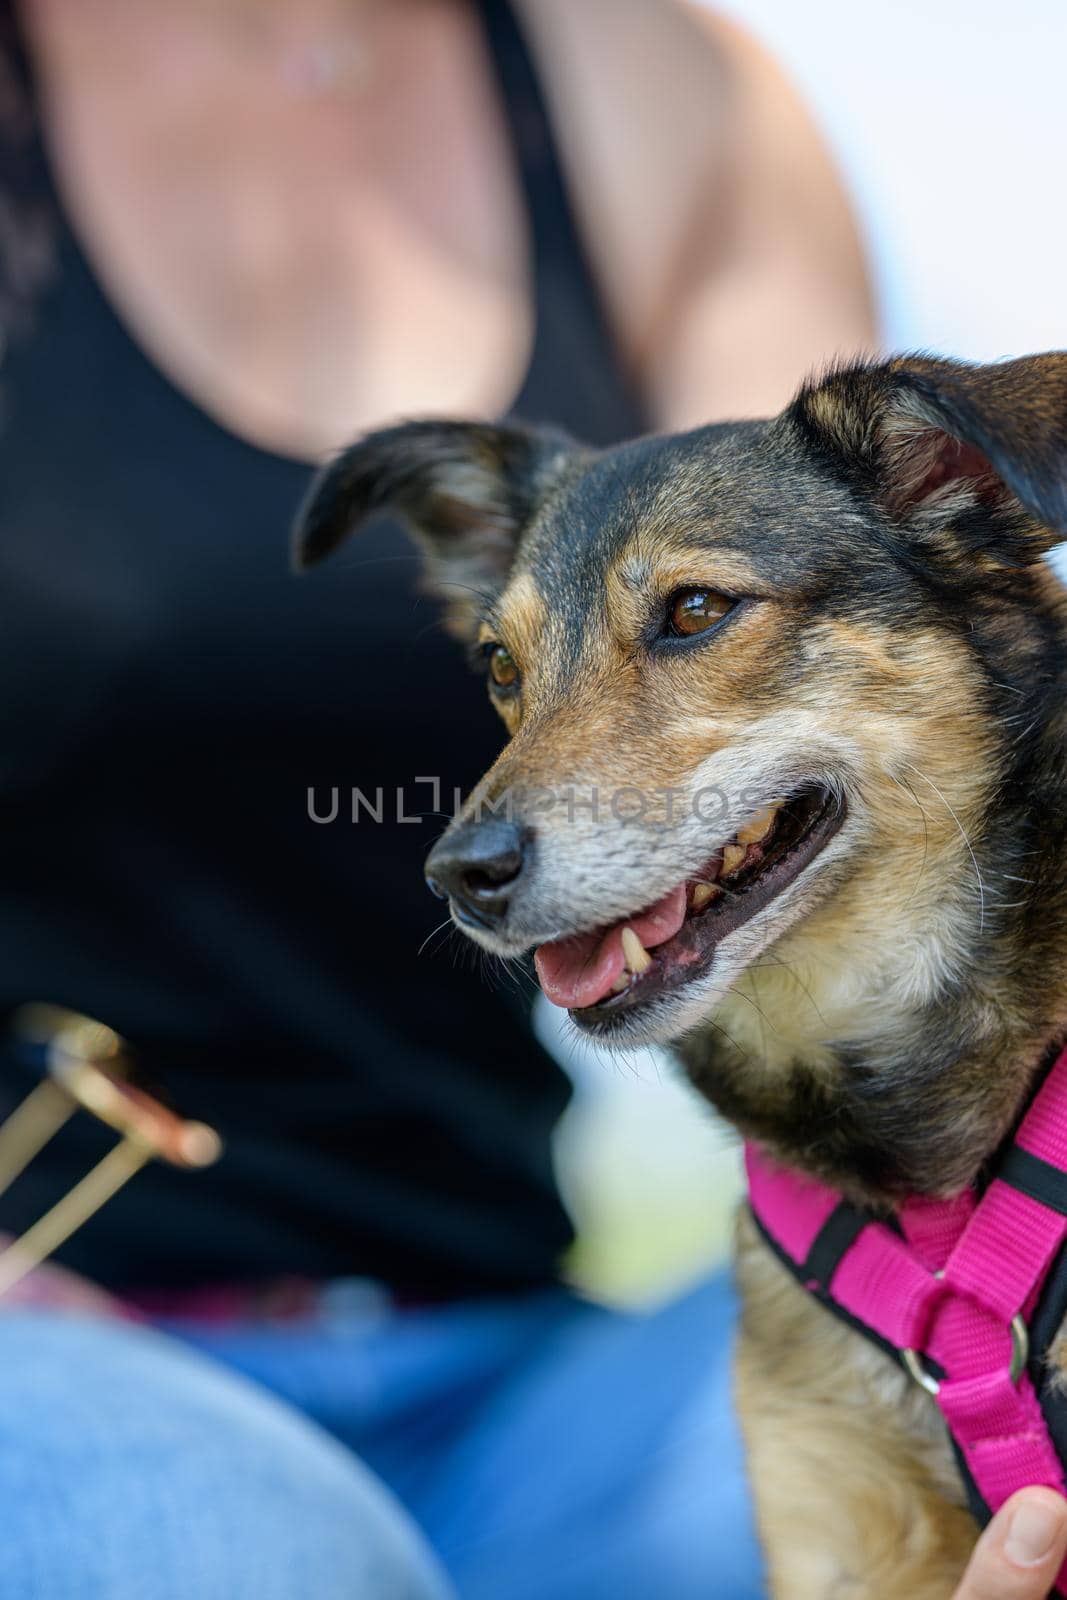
(1021,1551)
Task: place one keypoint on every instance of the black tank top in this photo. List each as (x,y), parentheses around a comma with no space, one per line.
(169,693)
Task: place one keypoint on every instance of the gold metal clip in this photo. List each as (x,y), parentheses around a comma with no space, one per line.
(87,1065)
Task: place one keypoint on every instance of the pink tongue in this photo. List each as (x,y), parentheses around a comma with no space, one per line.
(580,971)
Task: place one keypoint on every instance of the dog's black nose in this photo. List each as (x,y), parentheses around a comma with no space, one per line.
(477,865)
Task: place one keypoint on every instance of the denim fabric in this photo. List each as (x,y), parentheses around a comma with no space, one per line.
(549,1450)
(133,1469)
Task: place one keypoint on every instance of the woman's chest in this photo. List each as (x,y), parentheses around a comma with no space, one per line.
(303,266)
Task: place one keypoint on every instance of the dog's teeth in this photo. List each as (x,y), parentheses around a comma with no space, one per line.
(732,857)
(702,894)
(621,982)
(760,826)
(636,956)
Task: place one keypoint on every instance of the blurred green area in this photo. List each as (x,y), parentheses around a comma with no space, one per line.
(651,1176)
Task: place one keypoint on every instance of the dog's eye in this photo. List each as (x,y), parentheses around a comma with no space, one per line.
(695,611)
(502,666)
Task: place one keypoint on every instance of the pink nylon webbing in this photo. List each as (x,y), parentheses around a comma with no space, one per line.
(949,1290)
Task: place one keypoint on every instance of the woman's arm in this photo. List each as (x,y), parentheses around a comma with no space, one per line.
(771,280)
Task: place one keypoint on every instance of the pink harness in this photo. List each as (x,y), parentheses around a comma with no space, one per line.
(950,1288)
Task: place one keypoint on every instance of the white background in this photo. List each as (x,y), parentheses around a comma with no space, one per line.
(949,122)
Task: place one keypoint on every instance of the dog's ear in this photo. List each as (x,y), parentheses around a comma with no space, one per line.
(972,456)
(466,490)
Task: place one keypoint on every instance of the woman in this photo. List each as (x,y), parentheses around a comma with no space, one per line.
(236,233)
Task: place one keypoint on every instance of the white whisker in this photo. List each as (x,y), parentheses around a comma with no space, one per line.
(966,840)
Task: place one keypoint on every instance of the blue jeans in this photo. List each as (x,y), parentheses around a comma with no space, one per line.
(546,1449)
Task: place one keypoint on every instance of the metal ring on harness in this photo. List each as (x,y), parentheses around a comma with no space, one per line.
(1020,1353)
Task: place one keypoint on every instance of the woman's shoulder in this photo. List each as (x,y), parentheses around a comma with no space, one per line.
(649,98)
(637,90)
(696,166)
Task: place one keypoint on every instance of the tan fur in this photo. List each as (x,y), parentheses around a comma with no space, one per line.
(917,741)
(522,606)
(840,1439)
(925,769)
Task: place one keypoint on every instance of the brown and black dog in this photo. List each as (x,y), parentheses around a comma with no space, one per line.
(786,785)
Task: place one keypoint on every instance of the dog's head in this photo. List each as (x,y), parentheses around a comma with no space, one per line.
(772,691)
